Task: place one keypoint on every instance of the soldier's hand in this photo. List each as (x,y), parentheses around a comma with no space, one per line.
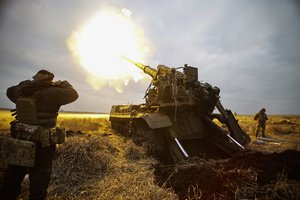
(62,83)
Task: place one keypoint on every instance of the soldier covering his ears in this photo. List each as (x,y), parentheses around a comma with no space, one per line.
(37,104)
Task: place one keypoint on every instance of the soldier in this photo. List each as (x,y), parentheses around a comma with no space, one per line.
(37,104)
(261,118)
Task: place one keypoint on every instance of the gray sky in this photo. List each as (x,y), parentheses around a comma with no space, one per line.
(249,49)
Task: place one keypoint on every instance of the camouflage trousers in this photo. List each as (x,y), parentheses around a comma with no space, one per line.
(260,128)
(39,176)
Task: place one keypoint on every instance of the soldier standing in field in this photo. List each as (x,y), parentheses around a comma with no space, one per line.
(37,104)
(261,118)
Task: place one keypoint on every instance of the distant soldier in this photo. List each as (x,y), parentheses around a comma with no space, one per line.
(37,104)
(261,118)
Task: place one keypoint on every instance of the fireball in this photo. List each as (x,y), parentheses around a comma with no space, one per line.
(100,43)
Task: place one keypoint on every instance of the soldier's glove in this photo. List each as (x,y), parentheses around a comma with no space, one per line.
(28,87)
(62,84)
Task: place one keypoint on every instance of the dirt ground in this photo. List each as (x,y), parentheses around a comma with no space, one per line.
(249,175)
(265,170)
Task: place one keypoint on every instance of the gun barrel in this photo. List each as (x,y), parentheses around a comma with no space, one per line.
(148,70)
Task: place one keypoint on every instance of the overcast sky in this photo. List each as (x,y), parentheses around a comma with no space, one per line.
(249,49)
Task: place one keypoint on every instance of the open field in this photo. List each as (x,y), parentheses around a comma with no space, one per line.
(97,163)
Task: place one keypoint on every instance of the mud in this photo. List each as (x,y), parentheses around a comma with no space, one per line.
(248,175)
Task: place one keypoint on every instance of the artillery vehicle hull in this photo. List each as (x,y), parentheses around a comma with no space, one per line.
(177,120)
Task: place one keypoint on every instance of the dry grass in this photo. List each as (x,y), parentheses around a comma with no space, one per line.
(104,166)
(283,189)
(5,119)
(285,129)
(96,163)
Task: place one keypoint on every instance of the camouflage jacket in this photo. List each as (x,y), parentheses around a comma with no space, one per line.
(261,117)
(49,96)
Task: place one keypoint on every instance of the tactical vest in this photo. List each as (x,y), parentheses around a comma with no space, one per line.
(27,110)
(30,126)
(27,113)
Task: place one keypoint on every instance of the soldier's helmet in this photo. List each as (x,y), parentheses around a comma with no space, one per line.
(263,110)
(43,75)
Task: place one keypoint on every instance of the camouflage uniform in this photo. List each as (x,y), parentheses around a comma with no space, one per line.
(261,118)
(49,97)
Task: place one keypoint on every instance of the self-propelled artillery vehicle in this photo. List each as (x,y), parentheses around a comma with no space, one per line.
(177,120)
